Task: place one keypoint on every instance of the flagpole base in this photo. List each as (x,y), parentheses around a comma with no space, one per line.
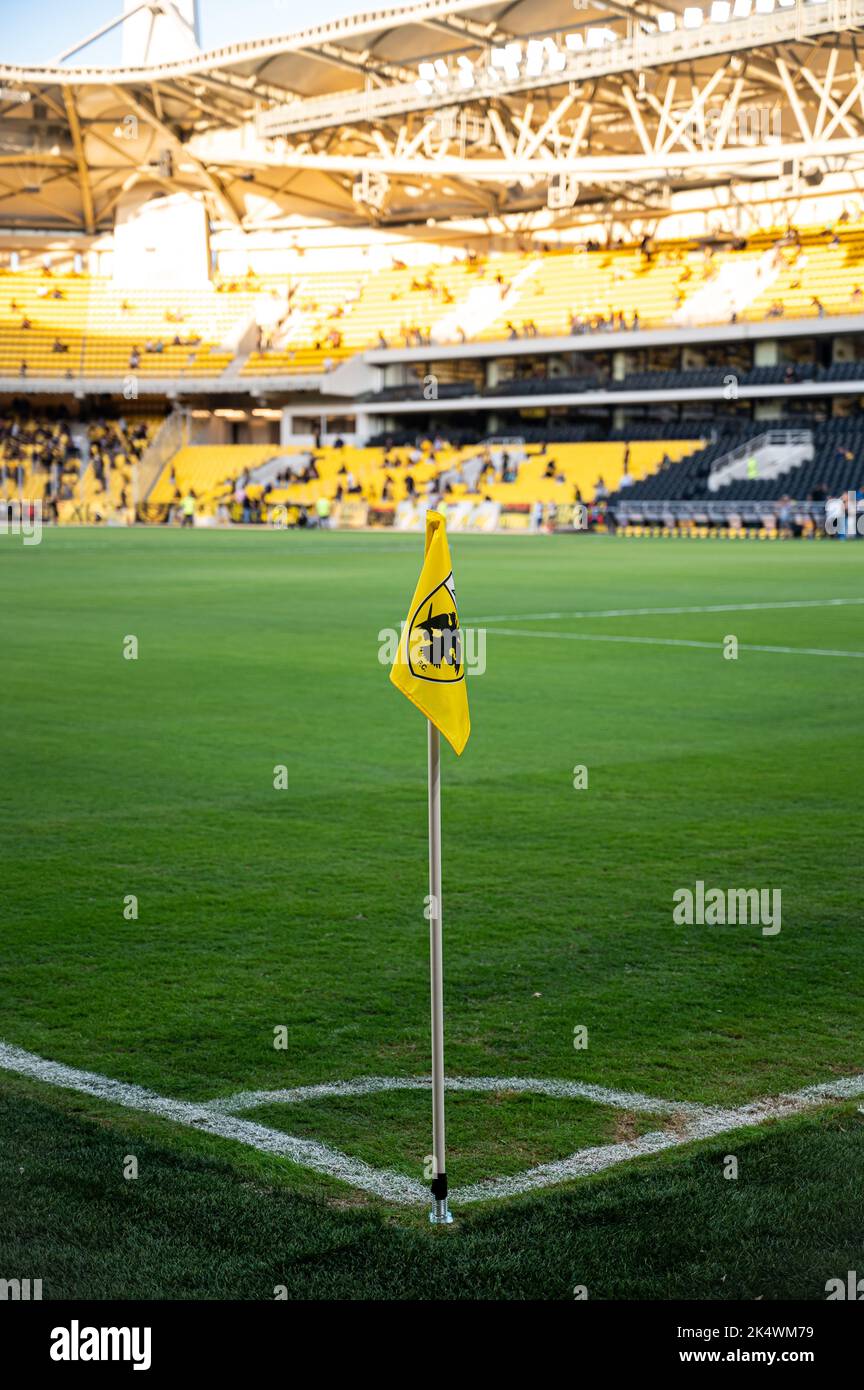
(440,1215)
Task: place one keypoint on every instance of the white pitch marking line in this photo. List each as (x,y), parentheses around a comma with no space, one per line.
(652,612)
(702,1122)
(368,1085)
(308,1153)
(668,642)
(707,1125)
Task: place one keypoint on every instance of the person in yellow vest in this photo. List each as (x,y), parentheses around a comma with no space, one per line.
(187,507)
(322,507)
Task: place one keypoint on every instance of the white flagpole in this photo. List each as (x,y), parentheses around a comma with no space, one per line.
(440,1213)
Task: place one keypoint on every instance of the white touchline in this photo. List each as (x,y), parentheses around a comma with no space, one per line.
(652,612)
(667,642)
(309,1153)
(213,1117)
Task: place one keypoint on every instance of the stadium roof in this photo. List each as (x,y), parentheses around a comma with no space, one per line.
(448,109)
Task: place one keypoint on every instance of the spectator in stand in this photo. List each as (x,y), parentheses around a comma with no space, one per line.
(601,491)
(509,468)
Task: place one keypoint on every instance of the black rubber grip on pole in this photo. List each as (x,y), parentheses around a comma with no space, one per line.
(439,1187)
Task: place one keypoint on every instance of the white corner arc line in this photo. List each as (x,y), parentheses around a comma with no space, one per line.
(708,1125)
(212,1117)
(368,1085)
(667,642)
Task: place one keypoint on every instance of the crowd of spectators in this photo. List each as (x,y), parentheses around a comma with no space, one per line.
(43,451)
(30,445)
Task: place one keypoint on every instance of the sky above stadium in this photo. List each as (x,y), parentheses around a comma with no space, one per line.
(39,33)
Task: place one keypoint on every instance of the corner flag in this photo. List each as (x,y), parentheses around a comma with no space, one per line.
(430,663)
(430,669)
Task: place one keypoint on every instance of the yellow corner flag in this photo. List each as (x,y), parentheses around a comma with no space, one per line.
(430,666)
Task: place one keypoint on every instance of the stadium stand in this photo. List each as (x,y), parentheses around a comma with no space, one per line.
(837,464)
(83,472)
(76,325)
(303,335)
(211,471)
(73,325)
(540,472)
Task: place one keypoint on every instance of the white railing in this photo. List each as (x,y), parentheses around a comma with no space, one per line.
(775,451)
(170,436)
(634,51)
(768,439)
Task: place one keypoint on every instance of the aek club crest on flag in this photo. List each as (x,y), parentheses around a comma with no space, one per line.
(430,665)
(434,642)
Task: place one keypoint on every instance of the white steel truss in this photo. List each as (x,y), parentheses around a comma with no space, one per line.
(752,108)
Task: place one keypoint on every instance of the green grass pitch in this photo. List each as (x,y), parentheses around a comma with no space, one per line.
(302,908)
